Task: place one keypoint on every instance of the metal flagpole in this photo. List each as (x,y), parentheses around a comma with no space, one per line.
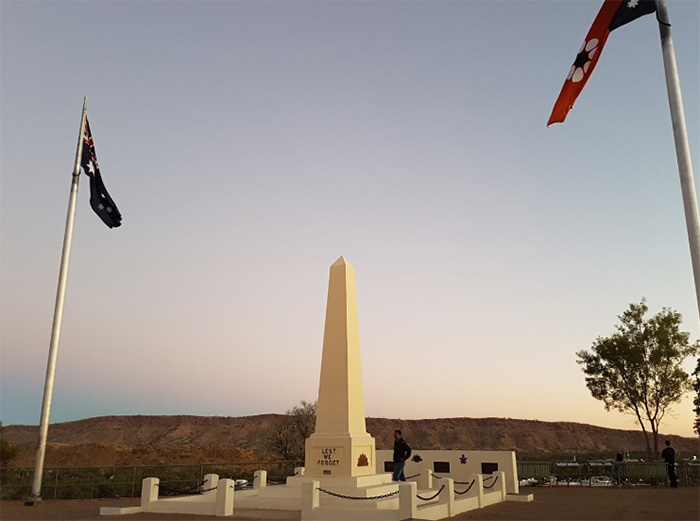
(680,136)
(57,319)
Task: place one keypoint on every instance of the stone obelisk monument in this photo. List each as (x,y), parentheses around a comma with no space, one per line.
(340,446)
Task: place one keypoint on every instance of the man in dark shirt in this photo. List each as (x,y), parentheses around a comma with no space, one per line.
(401,453)
(669,456)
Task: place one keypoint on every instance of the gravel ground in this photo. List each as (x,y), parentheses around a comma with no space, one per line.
(550,504)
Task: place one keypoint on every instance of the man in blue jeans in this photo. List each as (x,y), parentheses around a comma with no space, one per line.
(401,453)
(669,456)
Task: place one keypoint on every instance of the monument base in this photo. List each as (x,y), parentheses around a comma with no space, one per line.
(334,492)
(356,482)
(342,456)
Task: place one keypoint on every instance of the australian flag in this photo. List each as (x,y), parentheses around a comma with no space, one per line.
(100,200)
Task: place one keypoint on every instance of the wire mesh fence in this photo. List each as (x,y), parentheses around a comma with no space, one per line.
(606,473)
(125,481)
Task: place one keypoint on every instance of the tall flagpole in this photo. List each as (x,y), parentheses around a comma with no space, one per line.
(57,318)
(680,136)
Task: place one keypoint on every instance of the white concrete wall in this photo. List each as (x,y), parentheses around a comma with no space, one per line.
(463,463)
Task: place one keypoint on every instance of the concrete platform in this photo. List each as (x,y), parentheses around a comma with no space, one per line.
(550,504)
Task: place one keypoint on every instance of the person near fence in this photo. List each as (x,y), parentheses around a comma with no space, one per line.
(669,456)
(618,469)
(401,454)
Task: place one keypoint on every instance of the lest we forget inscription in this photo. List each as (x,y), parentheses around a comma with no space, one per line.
(329,456)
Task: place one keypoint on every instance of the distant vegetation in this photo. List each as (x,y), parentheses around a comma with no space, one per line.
(288,437)
(8,452)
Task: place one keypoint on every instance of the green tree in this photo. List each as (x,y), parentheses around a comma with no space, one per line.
(293,428)
(638,369)
(696,400)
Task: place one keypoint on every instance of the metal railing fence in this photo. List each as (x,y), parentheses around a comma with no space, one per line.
(125,481)
(628,472)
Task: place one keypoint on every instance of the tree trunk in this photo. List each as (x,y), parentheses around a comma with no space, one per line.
(650,454)
(646,438)
(656,443)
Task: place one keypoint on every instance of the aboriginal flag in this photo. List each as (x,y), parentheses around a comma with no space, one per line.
(613,14)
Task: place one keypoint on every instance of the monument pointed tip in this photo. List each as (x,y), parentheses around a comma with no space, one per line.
(342,261)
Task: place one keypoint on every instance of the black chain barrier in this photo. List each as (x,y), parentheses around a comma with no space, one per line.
(431,497)
(492,484)
(170,492)
(357,498)
(188,491)
(490,477)
(436,476)
(468,488)
(414,476)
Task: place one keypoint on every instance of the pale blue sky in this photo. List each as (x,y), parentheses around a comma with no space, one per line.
(250,144)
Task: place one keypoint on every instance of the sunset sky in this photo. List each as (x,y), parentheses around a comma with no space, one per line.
(250,144)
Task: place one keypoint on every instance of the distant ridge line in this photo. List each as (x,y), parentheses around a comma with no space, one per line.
(490,433)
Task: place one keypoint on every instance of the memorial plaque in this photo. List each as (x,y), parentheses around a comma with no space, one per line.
(443,467)
(489,468)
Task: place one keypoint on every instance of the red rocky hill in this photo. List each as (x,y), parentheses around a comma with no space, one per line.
(145,440)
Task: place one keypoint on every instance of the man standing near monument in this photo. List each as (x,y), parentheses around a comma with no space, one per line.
(401,453)
(669,456)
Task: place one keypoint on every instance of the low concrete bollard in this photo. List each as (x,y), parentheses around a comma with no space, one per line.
(309,499)
(502,479)
(447,496)
(425,480)
(149,493)
(259,479)
(224,497)
(408,503)
(479,484)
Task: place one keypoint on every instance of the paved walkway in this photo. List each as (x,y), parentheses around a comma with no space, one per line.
(550,504)
(597,504)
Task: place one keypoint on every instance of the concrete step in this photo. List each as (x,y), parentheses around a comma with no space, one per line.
(391,503)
